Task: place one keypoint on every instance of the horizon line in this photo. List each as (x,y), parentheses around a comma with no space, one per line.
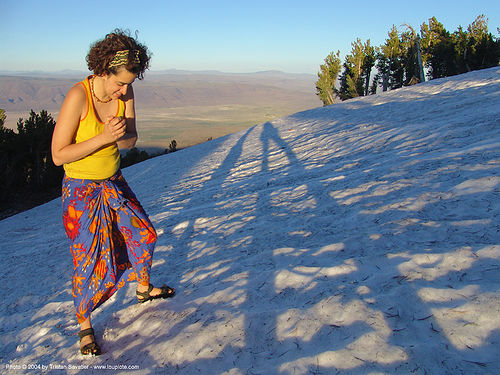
(168,70)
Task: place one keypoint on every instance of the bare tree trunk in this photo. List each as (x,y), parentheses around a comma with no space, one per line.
(367,83)
(465,60)
(330,96)
(385,82)
(420,64)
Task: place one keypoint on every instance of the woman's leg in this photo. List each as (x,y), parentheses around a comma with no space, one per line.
(86,324)
(139,235)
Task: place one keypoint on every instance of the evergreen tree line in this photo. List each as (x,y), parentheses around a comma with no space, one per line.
(28,175)
(26,169)
(406,58)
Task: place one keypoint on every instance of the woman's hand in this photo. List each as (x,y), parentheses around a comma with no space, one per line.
(114,129)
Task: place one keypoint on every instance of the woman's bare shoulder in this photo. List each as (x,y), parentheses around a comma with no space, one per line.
(76,99)
(75,103)
(77,93)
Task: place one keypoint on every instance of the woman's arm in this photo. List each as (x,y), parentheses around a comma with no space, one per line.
(130,137)
(64,150)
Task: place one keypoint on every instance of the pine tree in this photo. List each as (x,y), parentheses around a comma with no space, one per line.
(355,77)
(392,50)
(482,50)
(327,77)
(34,140)
(415,69)
(475,48)
(399,61)
(369,59)
(460,44)
(28,175)
(438,50)
(390,64)
(409,57)
(10,176)
(381,78)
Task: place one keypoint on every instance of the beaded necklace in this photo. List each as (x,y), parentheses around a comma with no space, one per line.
(94,95)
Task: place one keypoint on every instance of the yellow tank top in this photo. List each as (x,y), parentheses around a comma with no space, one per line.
(102,163)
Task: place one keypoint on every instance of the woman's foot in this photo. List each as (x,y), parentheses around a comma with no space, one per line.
(87,342)
(149,293)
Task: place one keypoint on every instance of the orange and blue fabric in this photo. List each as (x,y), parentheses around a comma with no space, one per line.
(112,239)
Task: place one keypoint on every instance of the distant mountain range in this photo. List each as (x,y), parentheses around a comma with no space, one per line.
(23,91)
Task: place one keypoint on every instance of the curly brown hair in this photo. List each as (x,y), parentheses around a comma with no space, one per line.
(103,51)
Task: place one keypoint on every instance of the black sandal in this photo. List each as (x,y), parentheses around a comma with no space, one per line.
(166,292)
(90,348)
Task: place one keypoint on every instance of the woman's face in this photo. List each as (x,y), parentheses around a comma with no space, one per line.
(116,85)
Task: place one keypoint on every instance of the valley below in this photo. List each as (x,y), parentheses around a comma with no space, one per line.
(188,107)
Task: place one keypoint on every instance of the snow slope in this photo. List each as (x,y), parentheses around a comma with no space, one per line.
(359,238)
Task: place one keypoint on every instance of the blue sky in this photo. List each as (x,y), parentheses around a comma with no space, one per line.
(232,36)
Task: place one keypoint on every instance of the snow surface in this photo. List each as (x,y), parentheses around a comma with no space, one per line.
(359,238)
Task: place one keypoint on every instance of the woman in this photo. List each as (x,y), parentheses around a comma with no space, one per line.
(112,239)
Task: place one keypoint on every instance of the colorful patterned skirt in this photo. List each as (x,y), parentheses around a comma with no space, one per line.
(112,239)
